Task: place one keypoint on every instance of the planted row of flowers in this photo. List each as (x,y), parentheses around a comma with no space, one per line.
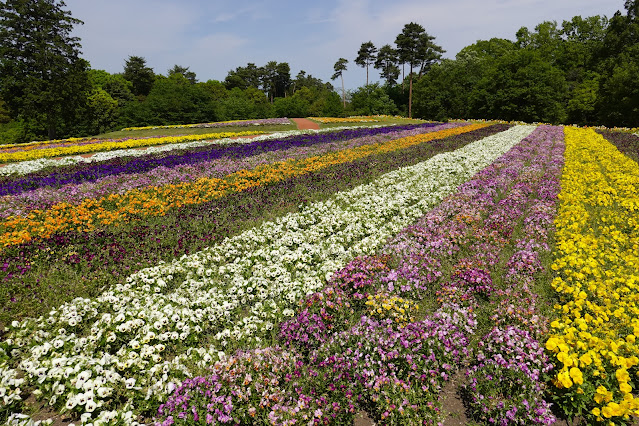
(31,166)
(394,367)
(627,143)
(103,258)
(195,157)
(116,209)
(98,145)
(594,339)
(136,339)
(233,123)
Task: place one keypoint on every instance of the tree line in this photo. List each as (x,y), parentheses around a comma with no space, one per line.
(583,71)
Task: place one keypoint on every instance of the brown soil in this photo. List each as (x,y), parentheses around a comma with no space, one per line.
(452,404)
(362,419)
(305,124)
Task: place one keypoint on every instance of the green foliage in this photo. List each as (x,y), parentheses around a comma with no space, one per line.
(415,47)
(244,77)
(294,106)
(42,76)
(140,76)
(241,105)
(102,109)
(183,71)
(582,104)
(506,92)
(339,68)
(175,100)
(366,56)
(372,100)
(386,62)
(12,132)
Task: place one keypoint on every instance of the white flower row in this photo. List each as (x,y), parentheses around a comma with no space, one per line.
(140,336)
(25,167)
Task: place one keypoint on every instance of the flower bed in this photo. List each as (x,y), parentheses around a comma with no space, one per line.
(594,338)
(139,339)
(45,150)
(117,209)
(190,162)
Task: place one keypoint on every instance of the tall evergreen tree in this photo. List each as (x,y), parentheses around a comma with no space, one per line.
(42,77)
(366,56)
(138,73)
(339,68)
(386,62)
(416,48)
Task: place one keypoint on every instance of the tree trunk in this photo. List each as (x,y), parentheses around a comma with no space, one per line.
(367,74)
(343,92)
(403,78)
(410,94)
(51,128)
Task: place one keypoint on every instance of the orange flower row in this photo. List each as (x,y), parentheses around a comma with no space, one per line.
(134,205)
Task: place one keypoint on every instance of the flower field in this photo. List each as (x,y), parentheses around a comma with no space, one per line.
(305,277)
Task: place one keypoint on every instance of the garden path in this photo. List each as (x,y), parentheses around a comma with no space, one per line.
(304,124)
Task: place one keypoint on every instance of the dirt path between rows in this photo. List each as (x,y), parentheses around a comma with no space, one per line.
(305,124)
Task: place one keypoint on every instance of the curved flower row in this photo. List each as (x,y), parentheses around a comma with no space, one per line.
(220,164)
(31,166)
(116,209)
(234,123)
(135,339)
(99,145)
(103,258)
(93,171)
(594,340)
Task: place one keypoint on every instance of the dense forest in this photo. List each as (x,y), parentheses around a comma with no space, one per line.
(583,71)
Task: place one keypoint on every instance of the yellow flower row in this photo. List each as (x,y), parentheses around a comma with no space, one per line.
(594,340)
(116,209)
(101,145)
(384,306)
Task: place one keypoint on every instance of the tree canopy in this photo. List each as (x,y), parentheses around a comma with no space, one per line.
(43,80)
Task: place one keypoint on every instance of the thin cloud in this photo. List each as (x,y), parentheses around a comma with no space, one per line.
(214,37)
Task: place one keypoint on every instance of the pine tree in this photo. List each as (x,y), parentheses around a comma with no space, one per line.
(416,48)
(366,56)
(339,68)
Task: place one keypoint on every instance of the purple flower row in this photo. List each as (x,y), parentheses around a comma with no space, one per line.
(45,197)
(90,172)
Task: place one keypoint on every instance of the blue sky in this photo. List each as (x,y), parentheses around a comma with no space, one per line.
(212,37)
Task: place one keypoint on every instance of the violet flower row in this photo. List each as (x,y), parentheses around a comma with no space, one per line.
(45,197)
(90,172)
